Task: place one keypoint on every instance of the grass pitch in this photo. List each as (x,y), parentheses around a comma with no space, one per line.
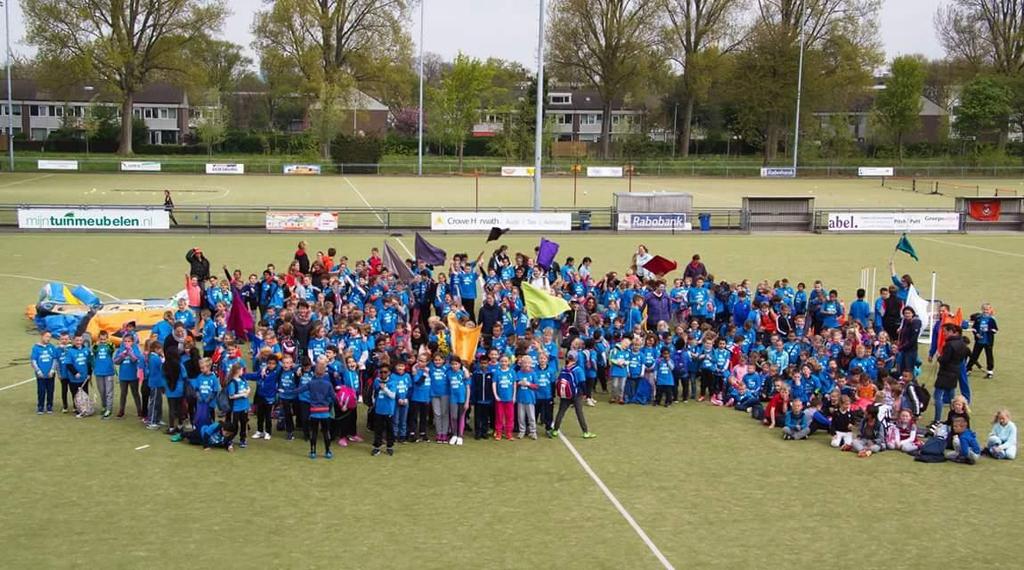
(709,486)
(450,191)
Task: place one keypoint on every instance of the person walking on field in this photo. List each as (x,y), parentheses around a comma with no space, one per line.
(169,206)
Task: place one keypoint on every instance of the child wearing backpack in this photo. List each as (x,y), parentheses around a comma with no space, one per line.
(569,394)
(1002,440)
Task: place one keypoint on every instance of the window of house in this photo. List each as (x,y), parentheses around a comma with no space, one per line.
(147,113)
(591,119)
(168,113)
(33,110)
(563,119)
(137,113)
(560,98)
(38,134)
(17,110)
(169,137)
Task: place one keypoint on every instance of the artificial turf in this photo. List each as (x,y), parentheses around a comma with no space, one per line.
(709,486)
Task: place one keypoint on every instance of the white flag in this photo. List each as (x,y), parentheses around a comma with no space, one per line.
(915,302)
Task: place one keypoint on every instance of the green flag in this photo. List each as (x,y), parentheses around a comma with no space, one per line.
(904,246)
(542,305)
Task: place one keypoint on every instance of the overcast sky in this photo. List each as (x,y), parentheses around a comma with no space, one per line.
(508,28)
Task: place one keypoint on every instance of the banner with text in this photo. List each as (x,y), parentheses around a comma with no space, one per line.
(894,222)
(57,164)
(869,171)
(32,218)
(215,168)
(302,221)
(778,172)
(302,169)
(517,171)
(653,222)
(604,172)
(483,221)
(139,166)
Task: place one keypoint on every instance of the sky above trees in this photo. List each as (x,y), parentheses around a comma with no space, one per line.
(508,28)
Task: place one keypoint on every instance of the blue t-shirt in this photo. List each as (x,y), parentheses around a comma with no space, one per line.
(526,394)
(457,383)
(45,357)
(384,404)
(504,384)
(238,386)
(103,359)
(438,381)
(544,377)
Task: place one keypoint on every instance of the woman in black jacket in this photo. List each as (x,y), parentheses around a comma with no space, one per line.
(951,366)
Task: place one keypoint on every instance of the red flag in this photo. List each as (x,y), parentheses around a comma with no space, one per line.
(659,266)
(985,210)
(239,318)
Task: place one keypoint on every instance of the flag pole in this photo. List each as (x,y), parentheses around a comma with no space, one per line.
(931,302)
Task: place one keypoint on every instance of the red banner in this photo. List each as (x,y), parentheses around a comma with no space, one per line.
(985,210)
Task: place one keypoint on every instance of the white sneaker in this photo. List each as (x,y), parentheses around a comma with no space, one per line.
(459,441)
(266,436)
(258,435)
(453,440)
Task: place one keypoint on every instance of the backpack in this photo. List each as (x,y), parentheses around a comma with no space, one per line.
(223,402)
(933,451)
(84,404)
(919,398)
(346,398)
(564,385)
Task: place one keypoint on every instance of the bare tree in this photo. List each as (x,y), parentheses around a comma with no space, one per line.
(985,33)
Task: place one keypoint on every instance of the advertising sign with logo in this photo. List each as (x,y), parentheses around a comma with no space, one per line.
(302,169)
(302,221)
(778,172)
(482,221)
(57,164)
(653,222)
(520,171)
(882,171)
(139,166)
(32,218)
(225,168)
(604,172)
(894,222)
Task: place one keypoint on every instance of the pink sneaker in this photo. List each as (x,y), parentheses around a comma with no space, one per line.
(355,439)
(343,442)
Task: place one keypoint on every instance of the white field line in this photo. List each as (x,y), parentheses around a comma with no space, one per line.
(15,385)
(31,278)
(379,218)
(975,247)
(615,502)
(33,179)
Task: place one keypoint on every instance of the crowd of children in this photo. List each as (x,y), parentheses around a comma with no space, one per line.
(332,337)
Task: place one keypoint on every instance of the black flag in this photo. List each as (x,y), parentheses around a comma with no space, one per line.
(496,233)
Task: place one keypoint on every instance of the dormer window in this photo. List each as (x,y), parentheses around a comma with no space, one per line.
(561,98)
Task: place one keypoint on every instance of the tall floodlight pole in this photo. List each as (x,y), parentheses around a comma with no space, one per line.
(799,91)
(538,151)
(10,102)
(419,166)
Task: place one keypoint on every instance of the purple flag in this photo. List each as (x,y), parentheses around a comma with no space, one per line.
(396,265)
(239,318)
(546,253)
(429,253)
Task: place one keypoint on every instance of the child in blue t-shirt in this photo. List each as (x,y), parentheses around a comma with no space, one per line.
(526,398)
(385,396)
(663,377)
(156,382)
(238,394)
(403,384)
(544,378)
(128,359)
(458,399)
(504,389)
(103,369)
(206,387)
(79,367)
(45,360)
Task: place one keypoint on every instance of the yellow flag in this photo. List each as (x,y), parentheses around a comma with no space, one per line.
(542,305)
(464,339)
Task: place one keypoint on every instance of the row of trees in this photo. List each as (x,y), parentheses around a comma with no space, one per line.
(727,65)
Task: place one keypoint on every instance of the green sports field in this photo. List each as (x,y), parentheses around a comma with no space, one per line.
(448,191)
(708,486)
